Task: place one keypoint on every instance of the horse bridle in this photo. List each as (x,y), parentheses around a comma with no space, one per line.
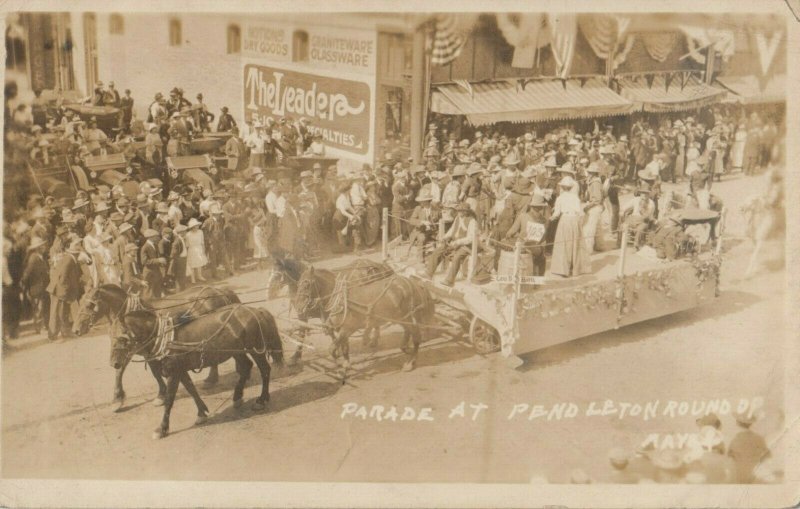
(311,302)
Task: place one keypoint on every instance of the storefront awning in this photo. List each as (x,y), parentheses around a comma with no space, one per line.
(656,97)
(539,101)
(747,89)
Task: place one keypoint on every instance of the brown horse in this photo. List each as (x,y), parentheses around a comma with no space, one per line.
(236,331)
(321,286)
(348,304)
(113,302)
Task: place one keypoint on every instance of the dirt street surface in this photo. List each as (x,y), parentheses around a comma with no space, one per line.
(58,422)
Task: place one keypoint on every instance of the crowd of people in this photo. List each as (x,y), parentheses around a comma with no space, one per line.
(703,458)
(548,191)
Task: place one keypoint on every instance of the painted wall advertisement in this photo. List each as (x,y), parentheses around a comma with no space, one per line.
(267,41)
(346,50)
(339,109)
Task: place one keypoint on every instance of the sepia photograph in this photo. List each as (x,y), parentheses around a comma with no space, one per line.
(535,247)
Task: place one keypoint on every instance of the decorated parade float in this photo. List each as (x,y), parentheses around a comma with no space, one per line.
(516,313)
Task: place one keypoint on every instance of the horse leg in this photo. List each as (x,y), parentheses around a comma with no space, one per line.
(155,369)
(412,357)
(243,367)
(264,369)
(751,267)
(172,388)
(406,337)
(202,409)
(296,356)
(119,392)
(213,376)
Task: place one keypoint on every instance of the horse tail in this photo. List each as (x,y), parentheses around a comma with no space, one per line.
(271,335)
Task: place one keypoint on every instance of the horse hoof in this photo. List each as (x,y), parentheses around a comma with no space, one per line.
(118,405)
(259,407)
(159,401)
(238,403)
(408,366)
(159,434)
(201,419)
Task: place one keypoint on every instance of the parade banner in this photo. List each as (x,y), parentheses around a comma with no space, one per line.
(338,109)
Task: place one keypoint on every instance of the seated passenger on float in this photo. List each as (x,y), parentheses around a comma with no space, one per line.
(456,242)
(639,215)
(530,227)
(425,220)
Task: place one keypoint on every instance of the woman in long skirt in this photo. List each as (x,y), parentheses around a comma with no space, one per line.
(737,151)
(570,257)
(260,241)
(196,257)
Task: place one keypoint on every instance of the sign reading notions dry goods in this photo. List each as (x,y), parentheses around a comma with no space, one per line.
(338,109)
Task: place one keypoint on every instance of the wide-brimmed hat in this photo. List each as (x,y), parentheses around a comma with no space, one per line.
(131,246)
(36,242)
(150,233)
(593,168)
(567,168)
(459,171)
(424,195)
(746,418)
(172,196)
(80,202)
(75,247)
(474,168)
(567,182)
(181,228)
(116,216)
(125,227)
(101,207)
(193,223)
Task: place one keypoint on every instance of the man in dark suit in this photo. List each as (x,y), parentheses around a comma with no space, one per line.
(131,272)
(65,288)
(177,259)
(151,265)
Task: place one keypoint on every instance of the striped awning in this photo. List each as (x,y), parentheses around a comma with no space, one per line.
(746,89)
(656,97)
(539,101)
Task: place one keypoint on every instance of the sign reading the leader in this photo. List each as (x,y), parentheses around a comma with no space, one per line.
(266,41)
(338,109)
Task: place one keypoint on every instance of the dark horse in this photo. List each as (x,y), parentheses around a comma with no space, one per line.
(291,272)
(348,303)
(232,331)
(113,302)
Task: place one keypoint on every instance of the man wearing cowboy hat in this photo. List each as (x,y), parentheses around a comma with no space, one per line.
(226,121)
(425,220)
(530,226)
(152,265)
(650,177)
(593,207)
(35,280)
(640,213)
(401,199)
(95,138)
(64,288)
(214,236)
(235,150)
(458,242)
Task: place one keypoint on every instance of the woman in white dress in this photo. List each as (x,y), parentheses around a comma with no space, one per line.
(106,270)
(737,151)
(260,252)
(196,258)
(570,257)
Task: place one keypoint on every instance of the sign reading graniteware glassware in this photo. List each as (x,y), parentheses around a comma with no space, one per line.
(338,109)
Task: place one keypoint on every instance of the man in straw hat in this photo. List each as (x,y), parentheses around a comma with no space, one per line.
(640,215)
(35,280)
(64,288)
(748,448)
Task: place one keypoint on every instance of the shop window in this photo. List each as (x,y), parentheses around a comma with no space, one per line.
(116,24)
(175,32)
(300,46)
(234,39)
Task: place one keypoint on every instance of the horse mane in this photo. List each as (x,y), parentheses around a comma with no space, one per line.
(292,268)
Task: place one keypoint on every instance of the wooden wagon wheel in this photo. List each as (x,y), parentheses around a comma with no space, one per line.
(372,226)
(484,337)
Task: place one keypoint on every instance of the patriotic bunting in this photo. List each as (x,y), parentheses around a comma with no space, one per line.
(563,33)
(659,44)
(448,40)
(526,35)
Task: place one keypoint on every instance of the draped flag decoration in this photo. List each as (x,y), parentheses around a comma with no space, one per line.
(622,53)
(659,44)
(563,32)
(700,37)
(448,40)
(526,36)
(600,31)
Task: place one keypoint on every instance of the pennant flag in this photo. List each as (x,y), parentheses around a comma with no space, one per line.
(766,49)
(583,81)
(649,79)
(564,83)
(667,80)
(684,78)
(563,32)
(448,40)
(466,86)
